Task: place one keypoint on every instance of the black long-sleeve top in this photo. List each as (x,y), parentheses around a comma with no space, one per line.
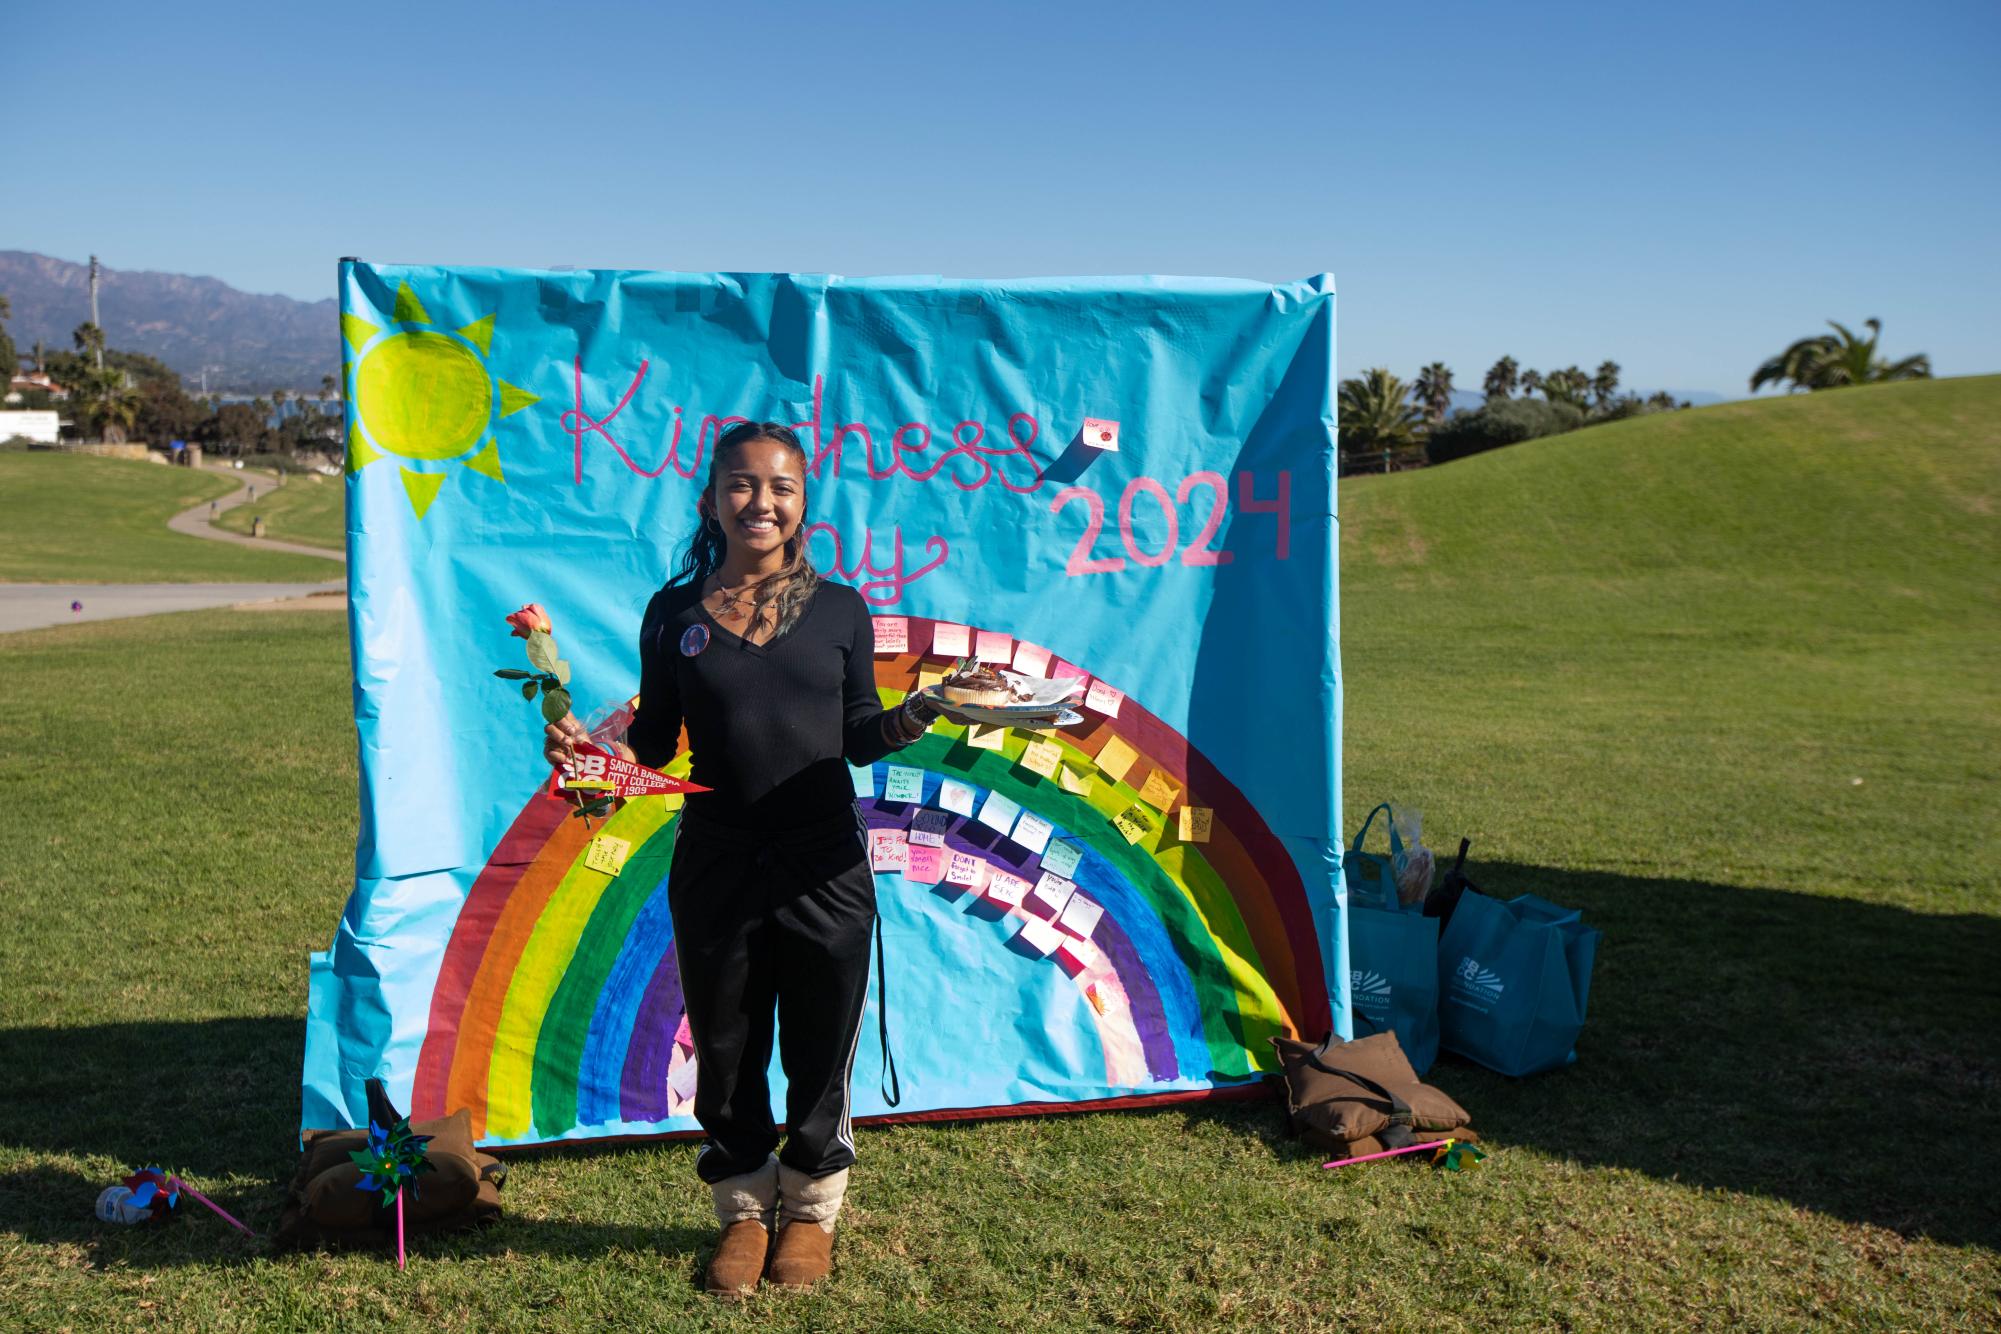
(769,725)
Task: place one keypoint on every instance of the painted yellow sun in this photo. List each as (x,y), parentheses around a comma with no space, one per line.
(425,395)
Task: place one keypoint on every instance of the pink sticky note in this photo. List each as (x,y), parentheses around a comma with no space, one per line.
(1077,951)
(888,849)
(1067,671)
(950,641)
(892,634)
(1101,434)
(1104,699)
(926,865)
(1031,659)
(995,647)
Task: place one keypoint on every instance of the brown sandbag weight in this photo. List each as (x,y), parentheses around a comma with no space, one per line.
(1335,1094)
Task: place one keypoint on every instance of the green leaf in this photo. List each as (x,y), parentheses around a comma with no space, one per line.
(542,650)
(562,672)
(555,703)
(528,688)
(512,674)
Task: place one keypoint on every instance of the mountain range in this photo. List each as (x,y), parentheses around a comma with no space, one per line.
(250,343)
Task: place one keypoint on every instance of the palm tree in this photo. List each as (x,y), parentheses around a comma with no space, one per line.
(107,401)
(1531,381)
(1434,391)
(1376,412)
(1830,361)
(1501,378)
(1605,383)
(1569,385)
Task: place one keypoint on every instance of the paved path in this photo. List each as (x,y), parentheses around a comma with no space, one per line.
(194,522)
(30,606)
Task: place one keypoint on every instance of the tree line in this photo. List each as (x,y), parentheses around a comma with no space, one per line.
(113,396)
(1380,412)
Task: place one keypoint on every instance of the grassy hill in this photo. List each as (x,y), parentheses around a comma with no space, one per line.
(71,518)
(1641,666)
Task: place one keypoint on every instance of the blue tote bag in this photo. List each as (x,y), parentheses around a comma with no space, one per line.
(1392,952)
(1514,979)
(1393,979)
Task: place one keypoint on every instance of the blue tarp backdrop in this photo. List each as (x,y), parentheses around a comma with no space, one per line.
(1127,480)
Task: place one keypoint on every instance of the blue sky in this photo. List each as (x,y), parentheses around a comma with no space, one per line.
(1682,188)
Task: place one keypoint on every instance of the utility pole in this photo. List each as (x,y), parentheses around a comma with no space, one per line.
(93,312)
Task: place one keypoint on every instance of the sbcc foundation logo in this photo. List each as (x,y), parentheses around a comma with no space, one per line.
(1370,992)
(1476,984)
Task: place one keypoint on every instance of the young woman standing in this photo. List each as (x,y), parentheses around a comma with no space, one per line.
(771,669)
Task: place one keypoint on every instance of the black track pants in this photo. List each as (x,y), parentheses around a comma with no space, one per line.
(764,921)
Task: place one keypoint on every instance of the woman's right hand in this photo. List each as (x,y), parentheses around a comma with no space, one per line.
(559,747)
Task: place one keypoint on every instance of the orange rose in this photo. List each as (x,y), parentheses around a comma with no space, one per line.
(530,618)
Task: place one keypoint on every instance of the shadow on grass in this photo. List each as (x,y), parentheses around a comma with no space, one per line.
(1811,1049)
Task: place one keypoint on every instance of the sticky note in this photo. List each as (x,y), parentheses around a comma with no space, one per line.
(905,784)
(1080,915)
(956,796)
(929,676)
(1117,758)
(984,736)
(1032,831)
(949,640)
(1080,951)
(888,850)
(1042,757)
(963,868)
(994,647)
(1031,659)
(892,634)
(1062,858)
(1078,783)
(927,828)
(1100,433)
(864,777)
(926,866)
(1097,1001)
(1159,791)
(1053,891)
(1133,823)
(998,813)
(681,1081)
(1039,936)
(1003,887)
(1103,699)
(1067,671)
(607,854)
(1195,822)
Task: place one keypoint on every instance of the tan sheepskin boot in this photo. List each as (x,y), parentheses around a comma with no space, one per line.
(745,1206)
(807,1207)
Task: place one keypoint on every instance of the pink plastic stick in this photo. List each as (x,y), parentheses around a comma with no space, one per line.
(1390,1153)
(219,1210)
(399,1229)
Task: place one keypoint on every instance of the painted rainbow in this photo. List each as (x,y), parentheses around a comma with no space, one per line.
(557,1008)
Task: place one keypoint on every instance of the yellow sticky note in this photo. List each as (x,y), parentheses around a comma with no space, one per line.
(982,737)
(929,676)
(1042,757)
(1074,782)
(1159,791)
(1117,758)
(1195,822)
(1132,822)
(607,854)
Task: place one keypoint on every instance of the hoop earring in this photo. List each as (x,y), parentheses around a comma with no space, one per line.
(711,521)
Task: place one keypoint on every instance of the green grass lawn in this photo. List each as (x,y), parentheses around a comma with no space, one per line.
(308,509)
(1642,667)
(71,518)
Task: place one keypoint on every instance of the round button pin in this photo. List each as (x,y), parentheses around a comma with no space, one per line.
(693,640)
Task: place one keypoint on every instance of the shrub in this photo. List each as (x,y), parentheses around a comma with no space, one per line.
(1505,421)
